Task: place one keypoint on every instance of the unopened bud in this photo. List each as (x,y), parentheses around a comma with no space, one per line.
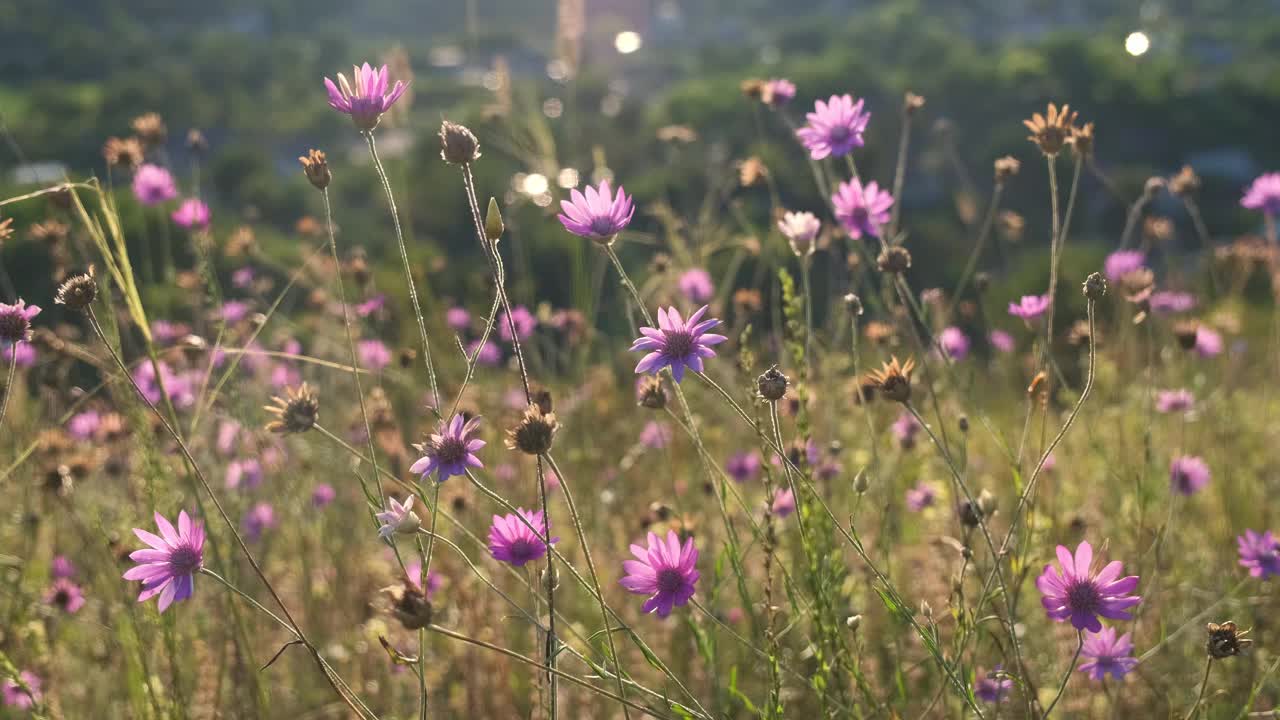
(493,226)
(772,384)
(1095,287)
(853,622)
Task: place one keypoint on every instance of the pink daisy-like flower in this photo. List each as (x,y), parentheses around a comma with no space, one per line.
(1208,342)
(1030,307)
(365,97)
(192,214)
(168,567)
(862,209)
(696,285)
(1073,592)
(1263,194)
(457,318)
(1107,654)
(834,127)
(800,229)
(450,451)
(435,581)
(1002,341)
(992,687)
(954,343)
(1175,401)
(1121,263)
(64,595)
(524,321)
(257,520)
(743,466)
(784,503)
(666,571)
(1188,474)
(921,496)
(15,696)
(153,185)
(597,215)
(677,343)
(322,495)
(373,354)
(15,321)
(512,541)
(1260,552)
(778,92)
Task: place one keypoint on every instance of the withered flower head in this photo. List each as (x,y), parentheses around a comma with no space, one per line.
(772,384)
(1151,187)
(1079,333)
(149,127)
(660,263)
(316,168)
(1006,167)
(534,433)
(296,412)
(542,398)
(912,102)
(196,141)
(1138,285)
(894,259)
(878,332)
(1185,183)
(6,229)
(677,133)
(1158,229)
(126,153)
(751,171)
(853,304)
(651,393)
(50,231)
(409,605)
(981,281)
(753,88)
(1051,131)
(1185,331)
(1010,224)
(1095,287)
(78,291)
(458,145)
(1082,140)
(747,301)
(1226,640)
(894,379)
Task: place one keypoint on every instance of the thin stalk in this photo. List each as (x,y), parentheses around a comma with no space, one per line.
(976,254)
(408,271)
(900,172)
(1194,712)
(1066,677)
(8,385)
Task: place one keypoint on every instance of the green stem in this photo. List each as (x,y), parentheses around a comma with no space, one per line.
(1066,677)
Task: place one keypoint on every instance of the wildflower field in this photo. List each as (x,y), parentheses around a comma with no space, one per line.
(456,417)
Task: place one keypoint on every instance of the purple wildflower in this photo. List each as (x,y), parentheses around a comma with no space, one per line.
(1121,263)
(1002,341)
(168,567)
(512,541)
(835,127)
(372,305)
(524,321)
(21,354)
(778,92)
(365,99)
(655,435)
(373,354)
(488,356)
(992,688)
(1188,474)
(83,426)
(246,474)
(228,434)
(1169,302)
(905,429)
(800,229)
(13,695)
(954,343)
(15,321)
(450,451)
(153,185)
(242,277)
(861,209)
(1208,342)
(62,567)
(1029,307)
(192,214)
(1263,194)
(1107,654)
(233,311)
(167,333)
(598,215)
(921,496)
(677,343)
(322,495)
(1074,592)
(259,518)
(1260,553)
(665,571)
(1175,401)
(434,580)
(696,285)
(64,595)
(457,318)
(743,466)
(398,518)
(784,503)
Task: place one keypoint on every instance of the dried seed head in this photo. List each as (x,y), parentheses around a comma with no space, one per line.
(853,622)
(196,141)
(862,482)
(894,259)
(126,153)
(894,379)
(1095,287)
(970,514)
(912,102)
(753,88)
(1051,131)
(458,145)
(1185,331)
(982,281)
(409,605)
(1226,640)
(296,412)
(1082,140)
(964,423)
(854,304)
(316,168)
(752,171)
(652,394)
(534,433)
(541,397)
(1185,183)
(149,127)
(78,291)
(772,384)
(1006,167)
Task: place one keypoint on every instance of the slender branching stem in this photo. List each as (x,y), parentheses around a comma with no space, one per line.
(1066,677)
(8,383)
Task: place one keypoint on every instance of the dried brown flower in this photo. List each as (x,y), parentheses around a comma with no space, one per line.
(149,127)
(912,102)
(196,141)
(1082,140)
(751,171)
(1185,331)
(1011,225)
(50,231)
(753,88)
(772,384)
(677,134)
(747,301)
(1226,640)
(894,379)
(297,412)
(126,153)
(458,145)
(534,433)
(878,332)
(316,168)
(78,291)
(409,605)
(1051,131)
(1095,287)
(6,229)
(1006,167)
(1158,229)
(651,393)
(894,259)
(1185,183)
